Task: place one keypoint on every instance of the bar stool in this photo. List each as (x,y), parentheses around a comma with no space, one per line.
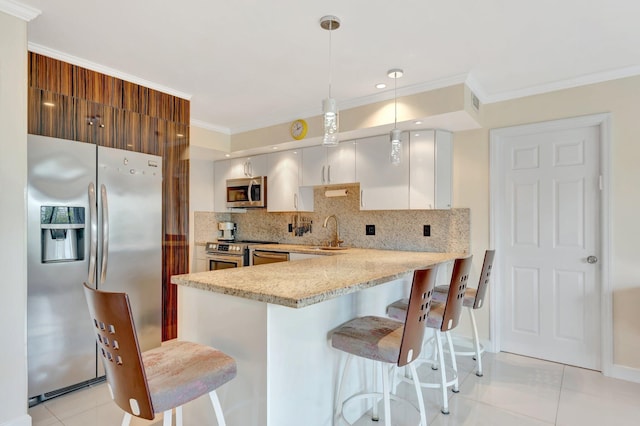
(473,299)
(443,317)
(160,379)
(388,343)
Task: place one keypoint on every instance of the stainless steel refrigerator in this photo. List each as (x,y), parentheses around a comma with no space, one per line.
(95,216)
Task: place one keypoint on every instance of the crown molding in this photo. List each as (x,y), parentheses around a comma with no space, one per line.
(564,84)
(209,126)
(56,54)
(19,10)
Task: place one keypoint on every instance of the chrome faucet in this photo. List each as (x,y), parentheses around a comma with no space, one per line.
(336,241)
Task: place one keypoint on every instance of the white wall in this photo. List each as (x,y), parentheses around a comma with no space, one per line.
(13,215)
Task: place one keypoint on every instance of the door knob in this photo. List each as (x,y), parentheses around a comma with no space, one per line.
(592,259)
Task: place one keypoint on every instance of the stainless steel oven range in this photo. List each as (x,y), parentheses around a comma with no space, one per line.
(224,254)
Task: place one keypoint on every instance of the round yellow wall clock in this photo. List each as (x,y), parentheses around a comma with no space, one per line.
(298,129)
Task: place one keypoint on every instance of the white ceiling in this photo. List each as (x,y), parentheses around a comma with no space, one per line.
(251,63)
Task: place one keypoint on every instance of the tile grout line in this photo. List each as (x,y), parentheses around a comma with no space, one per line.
(564,369)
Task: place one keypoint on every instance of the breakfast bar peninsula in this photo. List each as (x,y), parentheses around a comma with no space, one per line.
(276,320)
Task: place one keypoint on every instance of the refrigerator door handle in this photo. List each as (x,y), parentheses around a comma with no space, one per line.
(105,234)
(93,229)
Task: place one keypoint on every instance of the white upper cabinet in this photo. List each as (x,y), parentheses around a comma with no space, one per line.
(234,168)
(329,165)
(430,169)
(283,183)
(383,186)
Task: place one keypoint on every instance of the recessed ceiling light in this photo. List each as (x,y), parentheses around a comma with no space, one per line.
(49,104)
(274,147)
(417,122)
(380,86)
(227,155)
(416,135)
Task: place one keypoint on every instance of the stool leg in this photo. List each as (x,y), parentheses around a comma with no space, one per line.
(443,374)
(217,408)
(418,389)
(476,342)
(179,416)
(375,415)
(385,395)
(126,419)
(454,364)
(338,401)
(167,420)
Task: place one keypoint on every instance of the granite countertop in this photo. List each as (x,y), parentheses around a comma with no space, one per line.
(310,281)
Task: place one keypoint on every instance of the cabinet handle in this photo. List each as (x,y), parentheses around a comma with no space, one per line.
(322,175)
(329,173)
(244,168)
(361,198)
(295,201)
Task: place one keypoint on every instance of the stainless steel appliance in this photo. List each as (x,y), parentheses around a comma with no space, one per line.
(94,215)
(262,257)
(225,255)
(247,192)
(227,231)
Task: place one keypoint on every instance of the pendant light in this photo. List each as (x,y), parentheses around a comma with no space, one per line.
(395,135)
(329,105)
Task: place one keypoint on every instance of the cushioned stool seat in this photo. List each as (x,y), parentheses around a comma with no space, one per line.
(179,372)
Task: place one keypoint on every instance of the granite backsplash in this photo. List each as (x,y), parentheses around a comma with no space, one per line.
(394,229)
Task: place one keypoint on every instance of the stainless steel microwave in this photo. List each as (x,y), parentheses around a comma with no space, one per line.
(247,192)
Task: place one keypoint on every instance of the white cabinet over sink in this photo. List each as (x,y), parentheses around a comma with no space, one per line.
(329,165)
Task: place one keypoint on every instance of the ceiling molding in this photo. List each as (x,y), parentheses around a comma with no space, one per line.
(564,84)
(354,103)
(209,126)
(19,10)
(43,50)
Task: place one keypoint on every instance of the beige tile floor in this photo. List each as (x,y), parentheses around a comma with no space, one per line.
(514,390)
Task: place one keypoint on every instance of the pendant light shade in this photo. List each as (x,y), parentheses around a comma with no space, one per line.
(329,105)
(395,156)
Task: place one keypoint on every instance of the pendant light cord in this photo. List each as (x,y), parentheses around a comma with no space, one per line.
(395,101)
(330,67)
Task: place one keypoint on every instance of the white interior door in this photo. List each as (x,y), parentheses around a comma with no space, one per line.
(549,203)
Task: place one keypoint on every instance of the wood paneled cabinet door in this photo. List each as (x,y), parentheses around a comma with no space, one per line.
(93,122)
(50,114)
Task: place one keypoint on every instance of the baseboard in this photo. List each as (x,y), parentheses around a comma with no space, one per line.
(625,373)
(24,420)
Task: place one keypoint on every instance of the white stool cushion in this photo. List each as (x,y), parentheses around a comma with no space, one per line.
(178,372)
(370,337)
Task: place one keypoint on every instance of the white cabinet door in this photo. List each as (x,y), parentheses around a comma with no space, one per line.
(383,186)
(430,169)
(283,183)
(341,163)
(314,166)
(255,165)
(329,165)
